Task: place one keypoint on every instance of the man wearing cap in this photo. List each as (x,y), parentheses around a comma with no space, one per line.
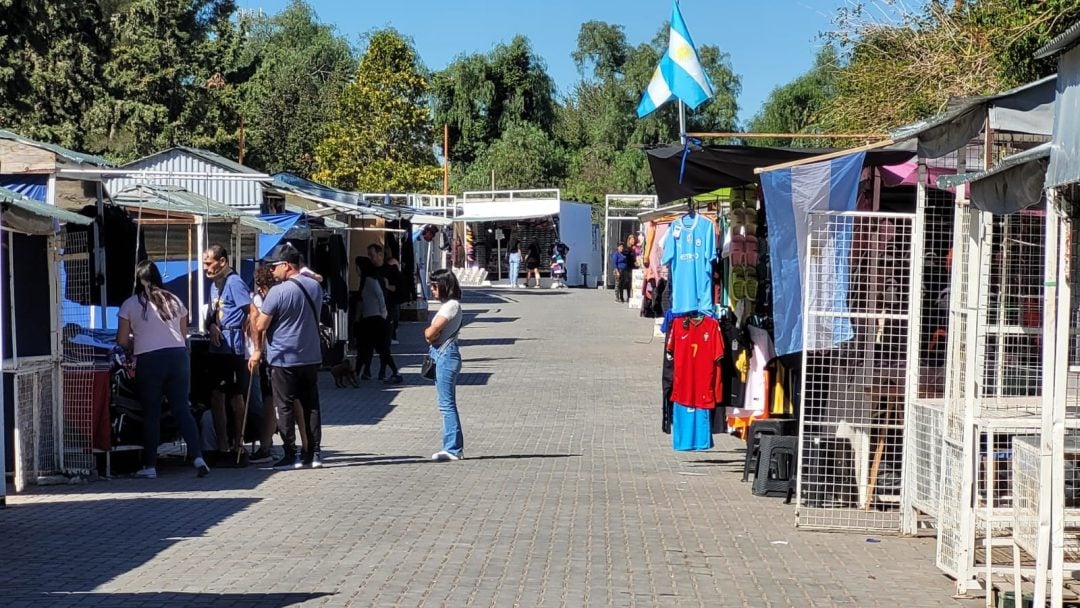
(290,324)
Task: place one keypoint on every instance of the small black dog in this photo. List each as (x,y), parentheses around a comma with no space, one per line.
(344,374)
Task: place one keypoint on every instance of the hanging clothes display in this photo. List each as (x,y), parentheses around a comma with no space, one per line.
(689,249)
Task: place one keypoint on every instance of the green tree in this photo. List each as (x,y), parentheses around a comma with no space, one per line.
(796,107)
(302,68)
(170,77)
(50,67)
(906,66)
(523,157)
(481,96)
(380,138)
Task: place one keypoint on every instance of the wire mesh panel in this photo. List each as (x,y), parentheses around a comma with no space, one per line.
(927,424)
(35,423)
(77,367)
(857,293)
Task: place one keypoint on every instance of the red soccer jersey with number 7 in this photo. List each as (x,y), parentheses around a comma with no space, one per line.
(696,346)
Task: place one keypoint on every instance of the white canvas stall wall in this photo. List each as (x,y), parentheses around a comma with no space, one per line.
(852,424)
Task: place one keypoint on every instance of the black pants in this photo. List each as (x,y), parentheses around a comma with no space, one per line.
(297,383)
(375,338)
(394,311)
(624,284)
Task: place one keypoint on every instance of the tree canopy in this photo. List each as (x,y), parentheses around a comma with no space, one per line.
(380,136)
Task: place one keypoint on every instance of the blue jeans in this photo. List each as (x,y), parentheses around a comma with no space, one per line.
(515,267)
(165,373)
(447,368)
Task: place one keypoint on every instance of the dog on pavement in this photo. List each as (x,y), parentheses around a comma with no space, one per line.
(344,374)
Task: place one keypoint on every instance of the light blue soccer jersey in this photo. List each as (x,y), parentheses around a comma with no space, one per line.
(690,247)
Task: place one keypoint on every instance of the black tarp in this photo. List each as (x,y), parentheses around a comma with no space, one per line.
(708,167)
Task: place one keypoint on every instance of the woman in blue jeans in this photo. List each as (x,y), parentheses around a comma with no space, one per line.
(153,325)
(441,337)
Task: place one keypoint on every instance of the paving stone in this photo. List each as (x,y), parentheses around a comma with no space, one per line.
(570,495)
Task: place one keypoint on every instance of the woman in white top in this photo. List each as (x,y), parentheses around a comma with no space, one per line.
(441,336)
(153,326)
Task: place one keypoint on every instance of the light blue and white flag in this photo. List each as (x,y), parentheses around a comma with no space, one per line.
(679,74)
(791,195)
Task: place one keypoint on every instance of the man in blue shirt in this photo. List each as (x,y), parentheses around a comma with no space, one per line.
(289,321)
(230,309)
(622,275)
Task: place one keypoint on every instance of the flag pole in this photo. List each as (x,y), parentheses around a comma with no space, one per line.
(682,123)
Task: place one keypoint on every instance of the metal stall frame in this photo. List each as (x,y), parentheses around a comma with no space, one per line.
(619,208)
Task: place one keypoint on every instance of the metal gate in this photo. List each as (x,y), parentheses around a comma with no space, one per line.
(856,305)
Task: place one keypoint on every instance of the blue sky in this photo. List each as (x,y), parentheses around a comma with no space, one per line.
(770,41)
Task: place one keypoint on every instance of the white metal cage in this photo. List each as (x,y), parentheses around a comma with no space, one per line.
(856,305)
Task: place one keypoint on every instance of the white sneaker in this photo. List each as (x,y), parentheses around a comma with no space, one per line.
(146,473)
(444,456)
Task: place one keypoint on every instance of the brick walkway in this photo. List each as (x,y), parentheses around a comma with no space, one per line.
(570,496)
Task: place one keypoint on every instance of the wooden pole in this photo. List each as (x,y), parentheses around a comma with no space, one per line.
(241,155)
(821,157)
(446,159)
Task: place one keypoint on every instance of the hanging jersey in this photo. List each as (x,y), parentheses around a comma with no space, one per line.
(689,247)
(697,347)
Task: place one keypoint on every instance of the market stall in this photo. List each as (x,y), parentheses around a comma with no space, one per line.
(497,220)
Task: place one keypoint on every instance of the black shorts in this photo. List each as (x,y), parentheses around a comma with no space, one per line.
(532,264)
(228,374)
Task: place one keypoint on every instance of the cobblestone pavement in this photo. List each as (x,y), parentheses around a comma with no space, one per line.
(569,496)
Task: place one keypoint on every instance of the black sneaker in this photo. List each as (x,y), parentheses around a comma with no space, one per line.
(288,461)
(263,455)
(395,379)
(306,460)
(316,460)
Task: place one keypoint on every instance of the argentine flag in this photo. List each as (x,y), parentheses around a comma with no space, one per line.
(679,74)
(791,196)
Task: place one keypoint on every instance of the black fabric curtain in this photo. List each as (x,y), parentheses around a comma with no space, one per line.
(119,234)
(706,168)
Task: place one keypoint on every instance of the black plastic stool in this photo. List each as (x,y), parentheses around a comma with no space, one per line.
(777,462)
(757,429)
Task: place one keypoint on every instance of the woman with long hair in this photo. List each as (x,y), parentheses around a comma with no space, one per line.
(153,326)
(374,325)
(532,264)
(441,337)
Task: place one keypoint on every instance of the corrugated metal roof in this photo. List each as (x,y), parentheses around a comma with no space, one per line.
(186,163)
(79,157)
(177,200)
(1061,42)
(208,156)
(24,214)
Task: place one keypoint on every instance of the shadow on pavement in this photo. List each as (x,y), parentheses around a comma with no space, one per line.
(521,456)
(178,599)
(492,341)
(74,547)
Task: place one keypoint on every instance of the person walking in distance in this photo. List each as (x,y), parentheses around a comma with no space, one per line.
(622,275)
(532,264)
(514,262)
(153,326)
(389,273)
(374,326)
(290,323)
(227,323)
(441,337)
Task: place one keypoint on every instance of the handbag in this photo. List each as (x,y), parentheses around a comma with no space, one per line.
(427,365)
(326,334)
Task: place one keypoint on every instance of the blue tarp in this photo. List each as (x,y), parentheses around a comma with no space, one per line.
(286,221)
(30,186)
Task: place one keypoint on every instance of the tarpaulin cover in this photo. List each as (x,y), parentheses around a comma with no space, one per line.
(1064,165)
(283,220)
(710,167)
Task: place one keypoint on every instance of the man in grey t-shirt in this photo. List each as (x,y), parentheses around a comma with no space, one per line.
(290,323)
